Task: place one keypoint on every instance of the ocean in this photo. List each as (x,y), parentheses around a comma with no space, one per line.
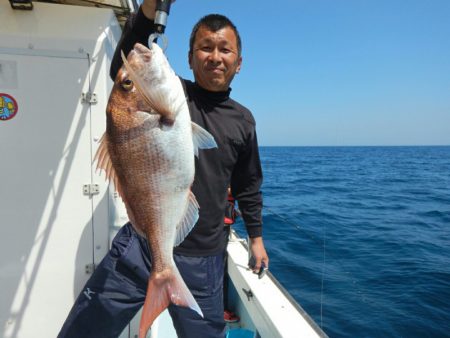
(360,236)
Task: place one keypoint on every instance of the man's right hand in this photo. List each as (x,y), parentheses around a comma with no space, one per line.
(149,8)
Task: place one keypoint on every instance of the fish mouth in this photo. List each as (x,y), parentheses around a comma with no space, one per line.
(144,52)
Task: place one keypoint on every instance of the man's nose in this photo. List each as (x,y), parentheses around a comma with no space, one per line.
(215,55)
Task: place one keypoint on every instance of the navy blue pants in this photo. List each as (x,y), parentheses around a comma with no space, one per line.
(117,288)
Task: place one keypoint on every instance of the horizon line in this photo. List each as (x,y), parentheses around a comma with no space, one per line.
(362,145)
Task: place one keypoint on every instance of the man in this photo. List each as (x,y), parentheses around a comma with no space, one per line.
(116,290)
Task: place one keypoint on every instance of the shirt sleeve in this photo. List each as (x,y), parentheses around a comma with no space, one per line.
(246,183)
(137,29)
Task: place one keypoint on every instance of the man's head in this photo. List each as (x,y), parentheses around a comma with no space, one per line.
(214,22)
(215,52)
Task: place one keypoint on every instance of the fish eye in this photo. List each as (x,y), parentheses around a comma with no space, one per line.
(127,84)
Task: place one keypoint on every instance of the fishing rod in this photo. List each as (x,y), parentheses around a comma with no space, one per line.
(161,16)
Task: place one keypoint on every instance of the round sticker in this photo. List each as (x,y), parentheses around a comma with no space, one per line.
(8,107)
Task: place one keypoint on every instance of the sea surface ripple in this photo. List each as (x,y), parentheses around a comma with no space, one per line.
(360,236)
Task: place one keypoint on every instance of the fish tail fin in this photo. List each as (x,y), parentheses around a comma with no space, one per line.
(164,288)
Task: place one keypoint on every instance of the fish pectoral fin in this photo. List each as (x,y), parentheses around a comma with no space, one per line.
(104,162)
(188,221)
(201,138)
(165,287)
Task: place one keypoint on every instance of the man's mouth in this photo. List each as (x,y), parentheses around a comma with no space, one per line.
(215,70)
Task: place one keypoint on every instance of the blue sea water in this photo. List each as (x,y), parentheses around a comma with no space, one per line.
(360,236)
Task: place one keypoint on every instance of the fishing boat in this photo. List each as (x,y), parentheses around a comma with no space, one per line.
(263,307)
(58,215)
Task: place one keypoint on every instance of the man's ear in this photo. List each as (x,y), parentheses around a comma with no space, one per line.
(190,59)
(239,61)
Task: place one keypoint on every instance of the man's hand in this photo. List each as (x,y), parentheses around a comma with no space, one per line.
(259,253)
(149,8)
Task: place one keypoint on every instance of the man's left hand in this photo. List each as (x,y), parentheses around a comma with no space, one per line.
(259,253)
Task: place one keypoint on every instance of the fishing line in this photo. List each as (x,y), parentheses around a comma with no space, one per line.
(295,225)
(323,276)
(322,243)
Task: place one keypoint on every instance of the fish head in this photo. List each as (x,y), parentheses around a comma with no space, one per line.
(155,80)
(150,64)
(126,102)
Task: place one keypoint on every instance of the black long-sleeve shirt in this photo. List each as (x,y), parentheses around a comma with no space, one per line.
(234,163)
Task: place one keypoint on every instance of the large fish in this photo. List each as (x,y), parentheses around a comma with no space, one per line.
(148,152)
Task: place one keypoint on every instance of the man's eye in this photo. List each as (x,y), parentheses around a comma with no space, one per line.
(206,48)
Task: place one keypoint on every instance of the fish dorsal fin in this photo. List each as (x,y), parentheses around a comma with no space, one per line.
(201,138)
(104,162)
(188,221)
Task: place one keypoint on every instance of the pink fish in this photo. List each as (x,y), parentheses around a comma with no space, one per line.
(148,152)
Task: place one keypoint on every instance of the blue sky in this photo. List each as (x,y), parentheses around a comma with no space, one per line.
(335,72)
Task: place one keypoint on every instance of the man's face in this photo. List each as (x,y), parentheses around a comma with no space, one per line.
(215,58)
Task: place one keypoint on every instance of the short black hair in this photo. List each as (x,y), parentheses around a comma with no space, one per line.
(214,22)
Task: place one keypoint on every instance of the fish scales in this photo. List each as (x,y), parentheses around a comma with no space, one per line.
(156,176)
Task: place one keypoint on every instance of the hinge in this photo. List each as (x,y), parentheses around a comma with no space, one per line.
(89,268)
(89,98)
(91,189)
(248,293)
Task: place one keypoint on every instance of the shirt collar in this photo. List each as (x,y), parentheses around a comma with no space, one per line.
(212,96)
